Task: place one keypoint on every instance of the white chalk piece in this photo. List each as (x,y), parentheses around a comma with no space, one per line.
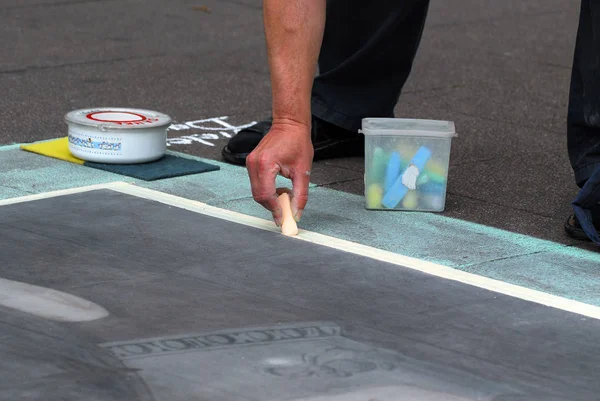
(288,226)
(48,303)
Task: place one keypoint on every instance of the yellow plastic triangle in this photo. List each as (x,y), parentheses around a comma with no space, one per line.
(58,149)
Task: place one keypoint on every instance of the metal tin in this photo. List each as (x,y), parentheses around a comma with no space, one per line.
(117,135)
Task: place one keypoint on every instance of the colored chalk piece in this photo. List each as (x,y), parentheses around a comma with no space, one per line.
(435,167)
(395,194)
(432,188)
(440,179)
(406,152)
(434,202)
(423,179)
(421,157)
(374,196)
(379,161)
(410,200)
(392,171)
(398,190)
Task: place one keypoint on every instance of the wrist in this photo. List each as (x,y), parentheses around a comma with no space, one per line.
(293,122)
(291,107)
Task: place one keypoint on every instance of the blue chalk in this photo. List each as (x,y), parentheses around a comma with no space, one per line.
(397,191)
(432,188)
(421,158)
(395,194)
(392,171)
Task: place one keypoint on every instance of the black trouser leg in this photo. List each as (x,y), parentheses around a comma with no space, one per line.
(583,122)
(366,57)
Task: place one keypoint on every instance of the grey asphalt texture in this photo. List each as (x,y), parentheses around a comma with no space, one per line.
(499,69)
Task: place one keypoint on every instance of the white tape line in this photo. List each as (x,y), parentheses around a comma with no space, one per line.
(347,246)
(434,269)
(61,192)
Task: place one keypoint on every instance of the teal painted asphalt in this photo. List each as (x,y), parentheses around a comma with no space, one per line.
(518,259)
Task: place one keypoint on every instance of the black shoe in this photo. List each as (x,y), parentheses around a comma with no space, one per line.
(574,230)
(329,141)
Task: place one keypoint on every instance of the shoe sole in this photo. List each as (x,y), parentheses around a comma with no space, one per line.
(234,158)
(320,154)
(574,232)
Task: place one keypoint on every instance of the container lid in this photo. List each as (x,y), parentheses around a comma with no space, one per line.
(408,127)
(118,118)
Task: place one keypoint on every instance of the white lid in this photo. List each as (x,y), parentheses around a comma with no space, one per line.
(118,118)
(409,127)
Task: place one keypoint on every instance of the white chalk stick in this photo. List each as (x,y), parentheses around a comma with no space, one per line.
(288,226)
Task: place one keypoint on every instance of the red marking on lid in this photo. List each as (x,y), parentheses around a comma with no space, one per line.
(91,117)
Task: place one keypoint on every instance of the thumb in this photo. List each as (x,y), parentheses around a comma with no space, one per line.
(301,182)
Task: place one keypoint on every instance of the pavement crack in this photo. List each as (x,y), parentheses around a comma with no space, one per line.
(241,3)
(55,4)
(44,235)
(79,63)
(17,189)
(435,89)
(337,182)
(503,258)
(555,65)
(493,158)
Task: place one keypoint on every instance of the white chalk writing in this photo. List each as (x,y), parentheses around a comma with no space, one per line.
(212,129)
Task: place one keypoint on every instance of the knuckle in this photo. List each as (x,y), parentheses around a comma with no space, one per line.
(262,197)
(251,158)
(264,162)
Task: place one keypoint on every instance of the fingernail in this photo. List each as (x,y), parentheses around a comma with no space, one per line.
(297,216)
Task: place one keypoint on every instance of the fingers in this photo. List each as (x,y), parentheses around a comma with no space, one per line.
(284,190)
(301,182)
(263,172)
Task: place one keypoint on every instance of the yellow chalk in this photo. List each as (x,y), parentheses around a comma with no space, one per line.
(410,200)
(406,151)
(374,196)
(435,168)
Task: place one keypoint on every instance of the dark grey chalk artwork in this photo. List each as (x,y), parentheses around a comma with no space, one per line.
(43,360)
(299,361)
(201,308)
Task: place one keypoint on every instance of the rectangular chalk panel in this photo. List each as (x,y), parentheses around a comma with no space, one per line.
(207,309)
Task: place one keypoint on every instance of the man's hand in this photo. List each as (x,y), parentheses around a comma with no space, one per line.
(288,151)
(294,32)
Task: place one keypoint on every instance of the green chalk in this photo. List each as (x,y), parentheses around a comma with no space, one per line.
(440,179)
(423,179)
(379,162)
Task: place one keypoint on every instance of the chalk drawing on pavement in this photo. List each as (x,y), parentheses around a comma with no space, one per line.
(211,129)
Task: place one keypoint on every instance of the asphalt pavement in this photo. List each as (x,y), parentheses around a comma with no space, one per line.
(499,69)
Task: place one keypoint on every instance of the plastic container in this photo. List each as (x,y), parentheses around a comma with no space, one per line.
(406,163)
(117,135)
